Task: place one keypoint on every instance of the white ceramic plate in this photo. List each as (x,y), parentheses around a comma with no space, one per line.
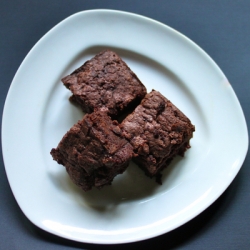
(37,114)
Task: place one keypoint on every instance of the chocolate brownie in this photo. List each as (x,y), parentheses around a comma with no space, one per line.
(158,131)
(93,151)
(105,82)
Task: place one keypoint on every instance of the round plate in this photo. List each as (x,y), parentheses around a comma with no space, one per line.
(37,114)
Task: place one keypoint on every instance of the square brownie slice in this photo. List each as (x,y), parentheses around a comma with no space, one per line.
(158,131)
(105,82)
(93,151)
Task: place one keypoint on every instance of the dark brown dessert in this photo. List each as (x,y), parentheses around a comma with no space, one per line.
(93,151)
(158,131)
(105,82)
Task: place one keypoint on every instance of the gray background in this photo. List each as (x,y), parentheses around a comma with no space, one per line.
(222,29)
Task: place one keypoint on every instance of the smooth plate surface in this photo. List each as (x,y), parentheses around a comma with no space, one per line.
(37,114)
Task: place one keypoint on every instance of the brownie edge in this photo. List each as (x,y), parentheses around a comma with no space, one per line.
(93,152)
